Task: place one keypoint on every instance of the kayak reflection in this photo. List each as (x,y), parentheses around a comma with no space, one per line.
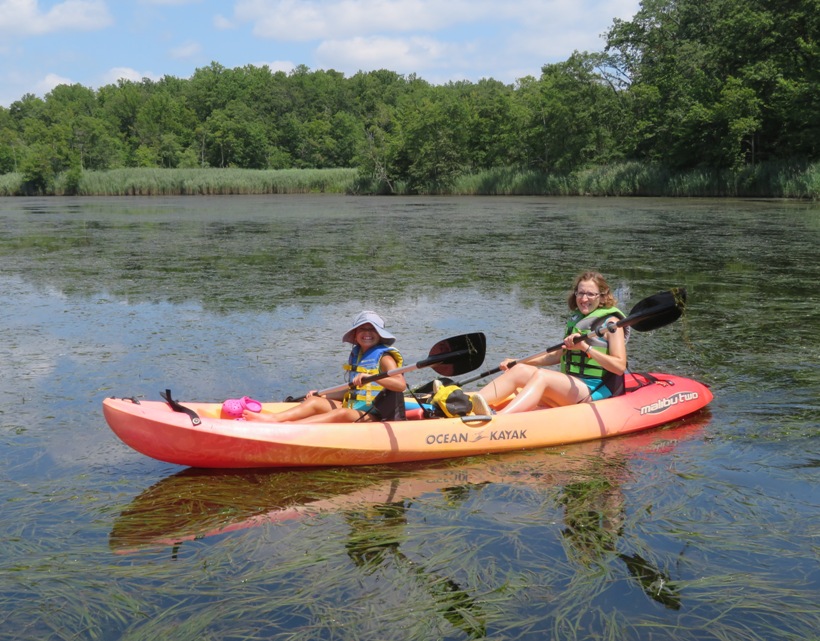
(374,502)
(375,536)
(194,504)
(594,513)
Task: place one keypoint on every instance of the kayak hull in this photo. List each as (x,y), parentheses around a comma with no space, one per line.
(154,429)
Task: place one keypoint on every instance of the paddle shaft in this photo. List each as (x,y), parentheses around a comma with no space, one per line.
(652,317)
(532,357)
(427,362)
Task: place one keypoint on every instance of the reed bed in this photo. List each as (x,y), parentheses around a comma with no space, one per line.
(212,182)
(765,180)
(11,184)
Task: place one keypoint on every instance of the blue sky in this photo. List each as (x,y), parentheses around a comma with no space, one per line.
(95,42)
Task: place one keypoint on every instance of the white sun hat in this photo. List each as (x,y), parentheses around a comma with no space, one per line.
(378,324)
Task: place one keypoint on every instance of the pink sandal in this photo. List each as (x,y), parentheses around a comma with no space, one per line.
(233,407)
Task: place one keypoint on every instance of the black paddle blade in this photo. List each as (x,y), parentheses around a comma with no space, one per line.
(657,310)
(427,388)
(468,353)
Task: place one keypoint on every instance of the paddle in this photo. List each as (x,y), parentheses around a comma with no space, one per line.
(449,357)
(651,313)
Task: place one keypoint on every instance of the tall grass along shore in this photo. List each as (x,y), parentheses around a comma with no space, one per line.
(767,180)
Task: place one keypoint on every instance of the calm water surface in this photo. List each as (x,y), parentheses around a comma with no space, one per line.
(704,530)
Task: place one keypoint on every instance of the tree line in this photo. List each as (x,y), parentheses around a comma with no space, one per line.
(685,84)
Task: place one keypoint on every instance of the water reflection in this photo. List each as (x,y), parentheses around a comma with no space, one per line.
(594,513)
(203,249)
(374,543)
(194,504)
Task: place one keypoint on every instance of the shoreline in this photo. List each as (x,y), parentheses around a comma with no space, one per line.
(628,179)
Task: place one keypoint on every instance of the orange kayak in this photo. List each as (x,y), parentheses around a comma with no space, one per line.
(201,438)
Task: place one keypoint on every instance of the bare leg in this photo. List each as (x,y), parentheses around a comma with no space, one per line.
(311,406)
(548,387)
(338,415)
(508,383)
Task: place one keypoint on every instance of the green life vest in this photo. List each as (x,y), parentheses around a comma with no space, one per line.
(576,363)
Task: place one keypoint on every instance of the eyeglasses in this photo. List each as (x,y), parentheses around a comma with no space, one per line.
(586,295)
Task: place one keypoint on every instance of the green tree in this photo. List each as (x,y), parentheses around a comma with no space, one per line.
(165,124)
(211,88)
(493,128)
(375,148)
(430,148)
(38,170)
(11,144)
(722,82)
(573,116)
(78,136)
(376,96)
(236,138)
(21,117)
(119,106)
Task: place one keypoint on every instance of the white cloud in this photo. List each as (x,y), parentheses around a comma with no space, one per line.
(439,41)
(50,81)
(316,19)
(305,20)
(566,26)
(402,55)
(558,47)
(277,65)
(25,17)
(222,23)
(126,73)
(186,51)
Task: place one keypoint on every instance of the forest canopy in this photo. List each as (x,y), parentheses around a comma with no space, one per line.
(685,84)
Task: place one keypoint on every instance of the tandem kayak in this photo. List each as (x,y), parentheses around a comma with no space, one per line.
(194,434)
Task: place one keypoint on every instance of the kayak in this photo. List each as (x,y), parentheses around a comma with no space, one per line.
(194,434)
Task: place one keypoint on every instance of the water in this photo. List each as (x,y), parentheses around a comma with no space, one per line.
(705,530)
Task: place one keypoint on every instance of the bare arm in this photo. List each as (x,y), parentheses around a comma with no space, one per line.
(395,383)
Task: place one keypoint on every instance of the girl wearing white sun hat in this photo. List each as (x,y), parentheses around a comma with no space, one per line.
(372,353)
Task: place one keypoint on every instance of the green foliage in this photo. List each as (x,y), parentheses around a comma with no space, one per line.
(633,178)
(722,84)
(235,138)
(71,181)
(11,184)
(573,116)
(428,151)
(11,144)
(38,170)
(699,89)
